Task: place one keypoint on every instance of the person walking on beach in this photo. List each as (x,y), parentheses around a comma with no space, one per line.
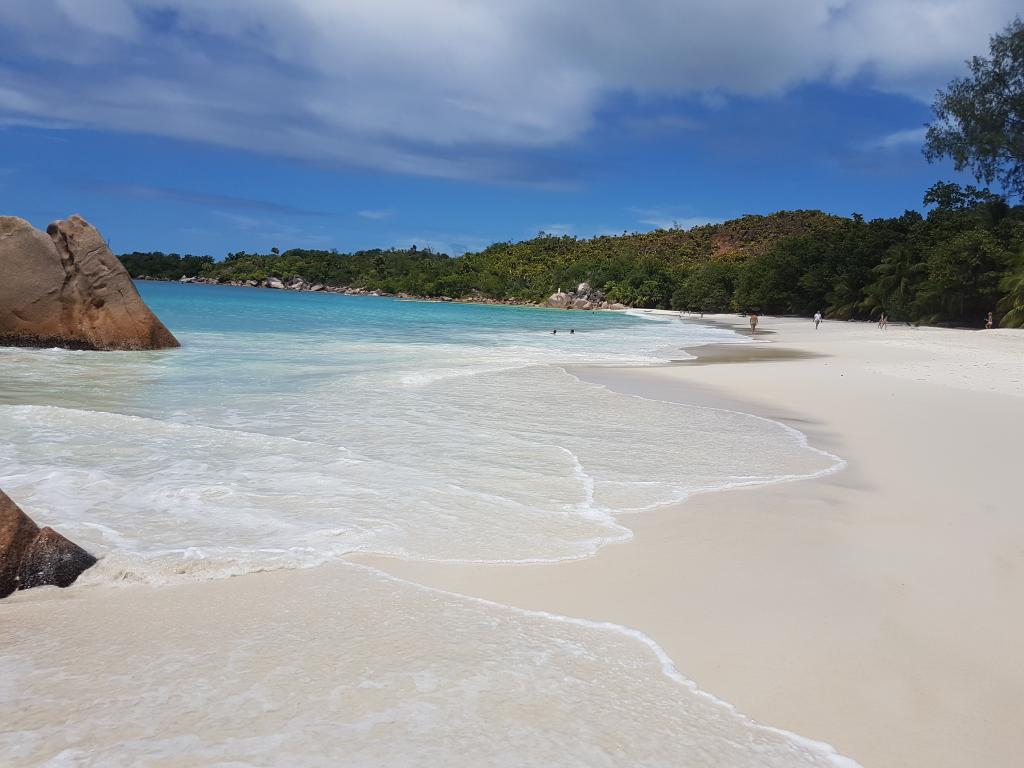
(989,321)
(817,320)
(753,322)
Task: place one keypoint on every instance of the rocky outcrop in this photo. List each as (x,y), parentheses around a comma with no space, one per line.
(559,299)
(64,288)
(298,283)
(584,297)
(35,557)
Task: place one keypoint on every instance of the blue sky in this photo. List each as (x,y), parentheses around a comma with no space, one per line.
(188,126)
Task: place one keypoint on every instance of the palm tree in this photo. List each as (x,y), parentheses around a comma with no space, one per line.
(897,277)
(1012,303)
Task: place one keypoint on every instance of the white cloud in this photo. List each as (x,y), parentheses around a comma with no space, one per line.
(112,18)
(453,244)
(238,220)
(376,214)
(555,229)
(897,139)
(267,233)
(202,199)
(669,218)
(448,88)
(655,125)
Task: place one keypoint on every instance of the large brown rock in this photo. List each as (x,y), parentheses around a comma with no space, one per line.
(559,300)
(34,557)
(64,288)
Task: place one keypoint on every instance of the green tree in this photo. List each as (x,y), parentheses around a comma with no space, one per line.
(1012,302)
(897,278)
(947,196)
(772,282)
(707,288)
(980,118)
(963,277)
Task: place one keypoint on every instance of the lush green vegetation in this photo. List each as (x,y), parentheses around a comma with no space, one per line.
(164,266)
(961,261)
(980,118)
(392,271)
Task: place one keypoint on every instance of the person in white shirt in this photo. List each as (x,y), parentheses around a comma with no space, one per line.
(817,320)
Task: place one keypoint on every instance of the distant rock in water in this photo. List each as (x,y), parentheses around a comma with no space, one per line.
(34,557)
(64,288)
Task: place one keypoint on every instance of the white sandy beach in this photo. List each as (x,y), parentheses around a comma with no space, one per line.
(877,608)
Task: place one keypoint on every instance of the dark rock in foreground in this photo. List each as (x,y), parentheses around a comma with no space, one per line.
(64,288)
(34,557)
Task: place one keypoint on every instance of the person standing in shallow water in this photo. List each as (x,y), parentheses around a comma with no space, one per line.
(817,320)
(753,322)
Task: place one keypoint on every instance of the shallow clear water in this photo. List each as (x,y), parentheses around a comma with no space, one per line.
(292,428)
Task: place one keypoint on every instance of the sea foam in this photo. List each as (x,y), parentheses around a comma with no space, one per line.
(417,430)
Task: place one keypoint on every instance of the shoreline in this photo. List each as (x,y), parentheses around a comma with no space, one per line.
(690,317)
(347,290)
(869,608)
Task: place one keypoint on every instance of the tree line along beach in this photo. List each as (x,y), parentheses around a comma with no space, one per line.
(952,267)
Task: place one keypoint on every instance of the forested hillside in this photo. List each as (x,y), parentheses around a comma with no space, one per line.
(962,260)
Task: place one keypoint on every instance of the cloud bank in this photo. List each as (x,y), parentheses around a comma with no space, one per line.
(447,88)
